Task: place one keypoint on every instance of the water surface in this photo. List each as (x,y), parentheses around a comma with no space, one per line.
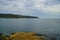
(43,25)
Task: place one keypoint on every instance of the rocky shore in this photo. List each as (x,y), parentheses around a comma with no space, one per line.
(25,36)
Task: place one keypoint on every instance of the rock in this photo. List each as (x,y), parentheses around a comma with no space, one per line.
(25,36)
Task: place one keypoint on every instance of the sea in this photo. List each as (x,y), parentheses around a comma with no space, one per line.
(48,26)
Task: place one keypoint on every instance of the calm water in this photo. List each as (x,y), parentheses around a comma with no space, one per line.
(47,26)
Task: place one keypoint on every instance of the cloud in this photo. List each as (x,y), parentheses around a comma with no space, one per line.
(21,6)
(12,5)
(51,6)
(39,7)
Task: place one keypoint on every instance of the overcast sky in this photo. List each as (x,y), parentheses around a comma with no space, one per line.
(42,8)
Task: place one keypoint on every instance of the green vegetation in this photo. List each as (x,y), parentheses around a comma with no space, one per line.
(15,16)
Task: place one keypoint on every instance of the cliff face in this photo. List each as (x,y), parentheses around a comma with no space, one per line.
(15,16)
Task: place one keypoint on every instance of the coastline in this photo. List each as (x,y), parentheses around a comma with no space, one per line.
(15,16)
(25,36)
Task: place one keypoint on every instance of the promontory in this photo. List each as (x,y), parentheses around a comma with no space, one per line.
(15,16)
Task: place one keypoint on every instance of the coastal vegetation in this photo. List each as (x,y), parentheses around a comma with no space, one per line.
(24,36)
(15,16)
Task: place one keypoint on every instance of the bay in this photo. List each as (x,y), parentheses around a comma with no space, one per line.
(42,25)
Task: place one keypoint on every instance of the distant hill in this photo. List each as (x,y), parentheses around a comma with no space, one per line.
(15,16)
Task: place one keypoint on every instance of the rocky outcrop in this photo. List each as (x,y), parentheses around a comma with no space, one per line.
(25,36)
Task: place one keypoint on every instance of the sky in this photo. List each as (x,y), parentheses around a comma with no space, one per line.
(40,8)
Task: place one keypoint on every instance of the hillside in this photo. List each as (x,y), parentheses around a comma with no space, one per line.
(15,16)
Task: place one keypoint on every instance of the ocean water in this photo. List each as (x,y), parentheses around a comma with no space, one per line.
(42,25)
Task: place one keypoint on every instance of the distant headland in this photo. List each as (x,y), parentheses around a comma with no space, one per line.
(15,16)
